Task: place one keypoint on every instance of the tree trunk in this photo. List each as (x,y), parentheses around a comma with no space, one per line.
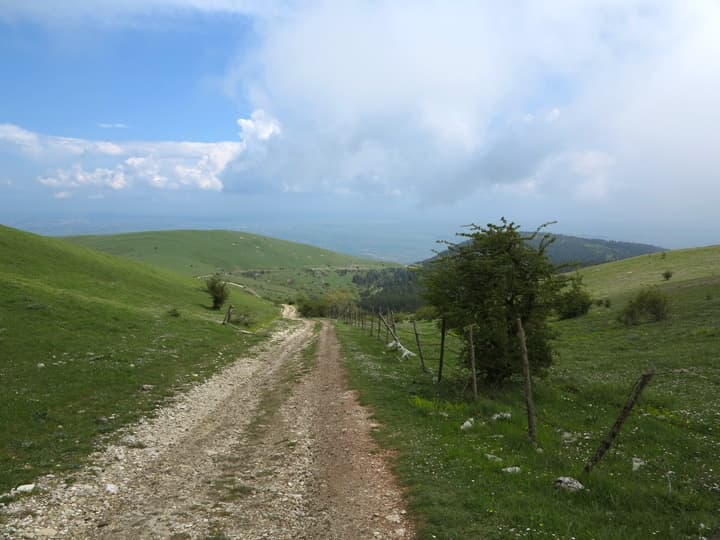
(640,385)
(472,364)
(443,329)
(528,383)
(420,353)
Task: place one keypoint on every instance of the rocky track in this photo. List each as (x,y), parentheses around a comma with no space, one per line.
(275,446)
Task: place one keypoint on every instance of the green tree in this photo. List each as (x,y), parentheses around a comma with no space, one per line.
(574,299)
(218,290)
(489,280)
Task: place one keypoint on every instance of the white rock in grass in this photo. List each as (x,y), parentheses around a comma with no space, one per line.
(467,424)
(40,365)
(493,457)
(511,470)
(637,463)
(568,483)
(501,416)
(25,488)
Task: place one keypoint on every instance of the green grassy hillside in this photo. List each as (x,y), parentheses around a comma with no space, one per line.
(457,491)
(272,268)
(622,277)
(81,332)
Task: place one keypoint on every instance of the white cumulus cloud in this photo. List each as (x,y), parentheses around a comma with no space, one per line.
(75,163)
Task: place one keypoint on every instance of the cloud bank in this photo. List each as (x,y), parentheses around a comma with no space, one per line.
(440,101)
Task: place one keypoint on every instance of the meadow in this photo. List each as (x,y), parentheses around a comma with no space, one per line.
(455,482)
(90,342)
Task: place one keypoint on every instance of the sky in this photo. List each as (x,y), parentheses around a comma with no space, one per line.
(373,127)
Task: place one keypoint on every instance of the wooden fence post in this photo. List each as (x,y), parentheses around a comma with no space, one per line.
(472,363)
(443,329)
(532,433)
(228,315)
(420,353)
(640,385)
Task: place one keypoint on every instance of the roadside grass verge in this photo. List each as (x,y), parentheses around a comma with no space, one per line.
(90,343)
(457,490)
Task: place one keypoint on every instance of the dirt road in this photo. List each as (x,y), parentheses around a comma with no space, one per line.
(274,446)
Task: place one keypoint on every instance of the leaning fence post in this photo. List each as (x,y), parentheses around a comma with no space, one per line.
(420,353)
(640,385)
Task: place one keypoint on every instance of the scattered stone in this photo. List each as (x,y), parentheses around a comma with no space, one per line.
(511,470)
(568,483)
(493,457)
(467,424)
(131,441)
(501,416)
(46,533)
(102,420)
(393,518)
(637,463)
(568,438)
(147,387)
(25,488)
(112,489)
(40,365)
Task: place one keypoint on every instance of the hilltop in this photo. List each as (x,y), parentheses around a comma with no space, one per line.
(272,268)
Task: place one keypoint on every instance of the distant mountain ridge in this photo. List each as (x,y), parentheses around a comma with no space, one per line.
(574,250)
(591,251)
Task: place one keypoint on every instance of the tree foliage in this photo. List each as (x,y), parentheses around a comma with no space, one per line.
(331,304)
(389,288)
(573,300)
(218,290)
(489,280)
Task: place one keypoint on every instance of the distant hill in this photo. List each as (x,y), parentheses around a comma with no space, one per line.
(275,269)
(591,251)
(573,250)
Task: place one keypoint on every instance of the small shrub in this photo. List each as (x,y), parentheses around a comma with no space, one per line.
(667,274)
(573,301)
(648,304)
(218,290)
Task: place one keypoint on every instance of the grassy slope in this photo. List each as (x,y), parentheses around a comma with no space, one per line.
(275,269)
(458,493)
(617,279)
(101,328)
